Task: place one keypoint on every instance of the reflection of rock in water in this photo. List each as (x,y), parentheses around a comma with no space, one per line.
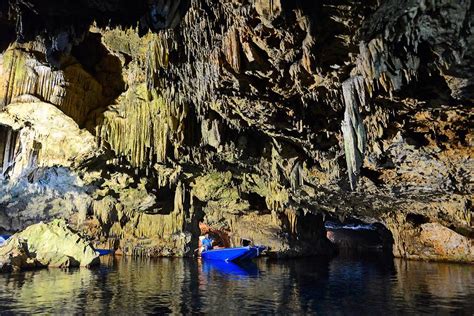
(367,285)
(147,280)
(45,288)
(442,283)
(355,280)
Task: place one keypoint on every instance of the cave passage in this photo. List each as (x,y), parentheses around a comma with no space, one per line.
(357,237)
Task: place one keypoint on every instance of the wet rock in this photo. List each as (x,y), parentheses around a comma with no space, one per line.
(47,245)
(415,238)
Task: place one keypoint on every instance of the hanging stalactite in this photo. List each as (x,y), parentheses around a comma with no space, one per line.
(352,126)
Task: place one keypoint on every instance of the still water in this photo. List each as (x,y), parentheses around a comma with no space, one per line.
(316,286)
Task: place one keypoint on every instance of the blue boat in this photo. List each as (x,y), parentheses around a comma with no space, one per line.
(103,252)
(233,254)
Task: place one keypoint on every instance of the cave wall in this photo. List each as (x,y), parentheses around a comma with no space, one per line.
(255,118)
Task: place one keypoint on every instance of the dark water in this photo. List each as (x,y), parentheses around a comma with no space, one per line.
(340,286)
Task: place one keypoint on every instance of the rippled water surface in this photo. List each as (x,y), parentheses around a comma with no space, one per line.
(338,286)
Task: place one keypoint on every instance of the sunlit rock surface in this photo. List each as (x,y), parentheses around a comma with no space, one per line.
(47,245)
(36,180)
(255,118)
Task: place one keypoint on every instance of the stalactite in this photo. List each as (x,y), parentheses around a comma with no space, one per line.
(231,49)
(352,126)
(292,217)
(143,130)
(296,176)
(157,58)
(8,146)
(385,70)
(211,134)
(72,90)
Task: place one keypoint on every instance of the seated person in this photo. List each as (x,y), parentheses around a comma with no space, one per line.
(206,242)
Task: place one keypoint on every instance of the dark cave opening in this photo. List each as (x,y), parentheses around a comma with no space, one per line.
(164,201)
(417,219)
(430,87)
(355,237)
(417,139)
(89,52)
(105,67)
(7,35)
(256,201)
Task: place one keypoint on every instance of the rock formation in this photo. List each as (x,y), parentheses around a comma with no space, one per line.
(259,118)
(46,245)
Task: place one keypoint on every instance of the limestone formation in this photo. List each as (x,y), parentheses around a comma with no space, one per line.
(429,241)
(71,89)
(352,127)
(42,143)
(261,119)
(47,245)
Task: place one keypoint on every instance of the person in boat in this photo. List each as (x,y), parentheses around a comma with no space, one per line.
(210,239)
(207,242)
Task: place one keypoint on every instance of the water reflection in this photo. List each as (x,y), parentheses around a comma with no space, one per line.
(446,286)
(229,269)
(340,286)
